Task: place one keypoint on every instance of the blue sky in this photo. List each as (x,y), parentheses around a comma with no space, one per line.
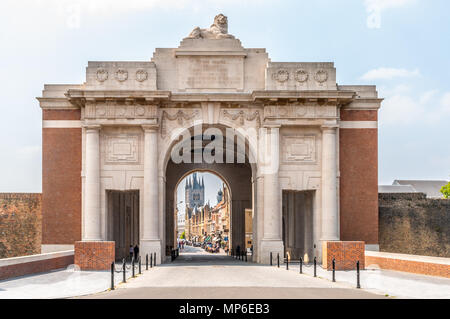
(400,45)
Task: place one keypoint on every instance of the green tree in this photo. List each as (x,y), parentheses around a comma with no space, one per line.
(445,190)
(183,235)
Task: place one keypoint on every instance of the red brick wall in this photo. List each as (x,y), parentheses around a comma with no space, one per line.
(35,267)
(94,255)
(417,267)
(20,224)
(61,114)
(61,180)
(358,160)
(345,254)
(359,115)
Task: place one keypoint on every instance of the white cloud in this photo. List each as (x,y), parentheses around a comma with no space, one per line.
(445,103)
(428,96)
(427,108)
(388,74)
(375,7)
(400,110)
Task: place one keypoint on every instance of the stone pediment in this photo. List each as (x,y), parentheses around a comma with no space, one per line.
(210,64)
(210,47)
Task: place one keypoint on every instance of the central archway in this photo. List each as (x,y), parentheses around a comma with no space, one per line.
(205,214)
(238,176)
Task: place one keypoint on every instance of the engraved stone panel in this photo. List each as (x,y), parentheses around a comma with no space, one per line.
(210,72)
(299,149)
(122,149)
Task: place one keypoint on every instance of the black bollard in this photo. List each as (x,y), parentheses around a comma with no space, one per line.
(112,276)
(140,270)
(154,259)
(315,266)
(301,264)
(146,262)
(245,256)
(287,262)
(334,270)
(358,285)
(271,258)
(151,260)
(278,260)
(132,267)
(124,265)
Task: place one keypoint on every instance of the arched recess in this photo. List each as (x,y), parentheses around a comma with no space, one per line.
(169,230)
(238,176)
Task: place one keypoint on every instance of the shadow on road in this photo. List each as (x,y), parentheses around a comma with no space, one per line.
(196,256)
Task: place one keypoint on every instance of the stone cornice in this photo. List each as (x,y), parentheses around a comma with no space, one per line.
(77,98)
(209,53)
(55,103)
(340,97)
(364,104)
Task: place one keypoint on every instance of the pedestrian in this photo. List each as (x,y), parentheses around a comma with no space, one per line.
(136,252)
(238,250)
(131,252)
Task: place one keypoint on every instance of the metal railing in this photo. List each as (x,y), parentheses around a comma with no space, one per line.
(315,265)
(135,264)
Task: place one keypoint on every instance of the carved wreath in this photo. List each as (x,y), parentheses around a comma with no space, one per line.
(102,75)
(281,75)
(141,75)
(179,116)
(121,75)
(321,76)
(301,76)
(241,117)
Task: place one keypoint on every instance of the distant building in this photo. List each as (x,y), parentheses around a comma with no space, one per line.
(206,222)
(181,222)
(431,188)
(194,192)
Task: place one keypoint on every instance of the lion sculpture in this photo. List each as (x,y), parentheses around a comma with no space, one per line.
(218,30)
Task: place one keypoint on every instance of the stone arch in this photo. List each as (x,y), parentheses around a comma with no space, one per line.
(239,178)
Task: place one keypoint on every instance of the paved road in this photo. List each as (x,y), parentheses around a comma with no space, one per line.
(196,274)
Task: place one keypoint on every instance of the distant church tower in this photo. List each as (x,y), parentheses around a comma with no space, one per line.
(194,192)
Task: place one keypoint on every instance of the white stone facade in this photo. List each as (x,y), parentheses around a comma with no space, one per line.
(129,111)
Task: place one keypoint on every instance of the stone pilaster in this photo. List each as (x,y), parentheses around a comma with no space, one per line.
(330,216)
(151,239)
(92,216)
(269,166)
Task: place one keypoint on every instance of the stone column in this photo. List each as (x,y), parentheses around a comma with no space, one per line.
(330,218)
(92,216)
(150,238)
(269,166)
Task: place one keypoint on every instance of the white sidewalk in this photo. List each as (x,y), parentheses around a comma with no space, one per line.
(393,283)
(223,272)
(64,283)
